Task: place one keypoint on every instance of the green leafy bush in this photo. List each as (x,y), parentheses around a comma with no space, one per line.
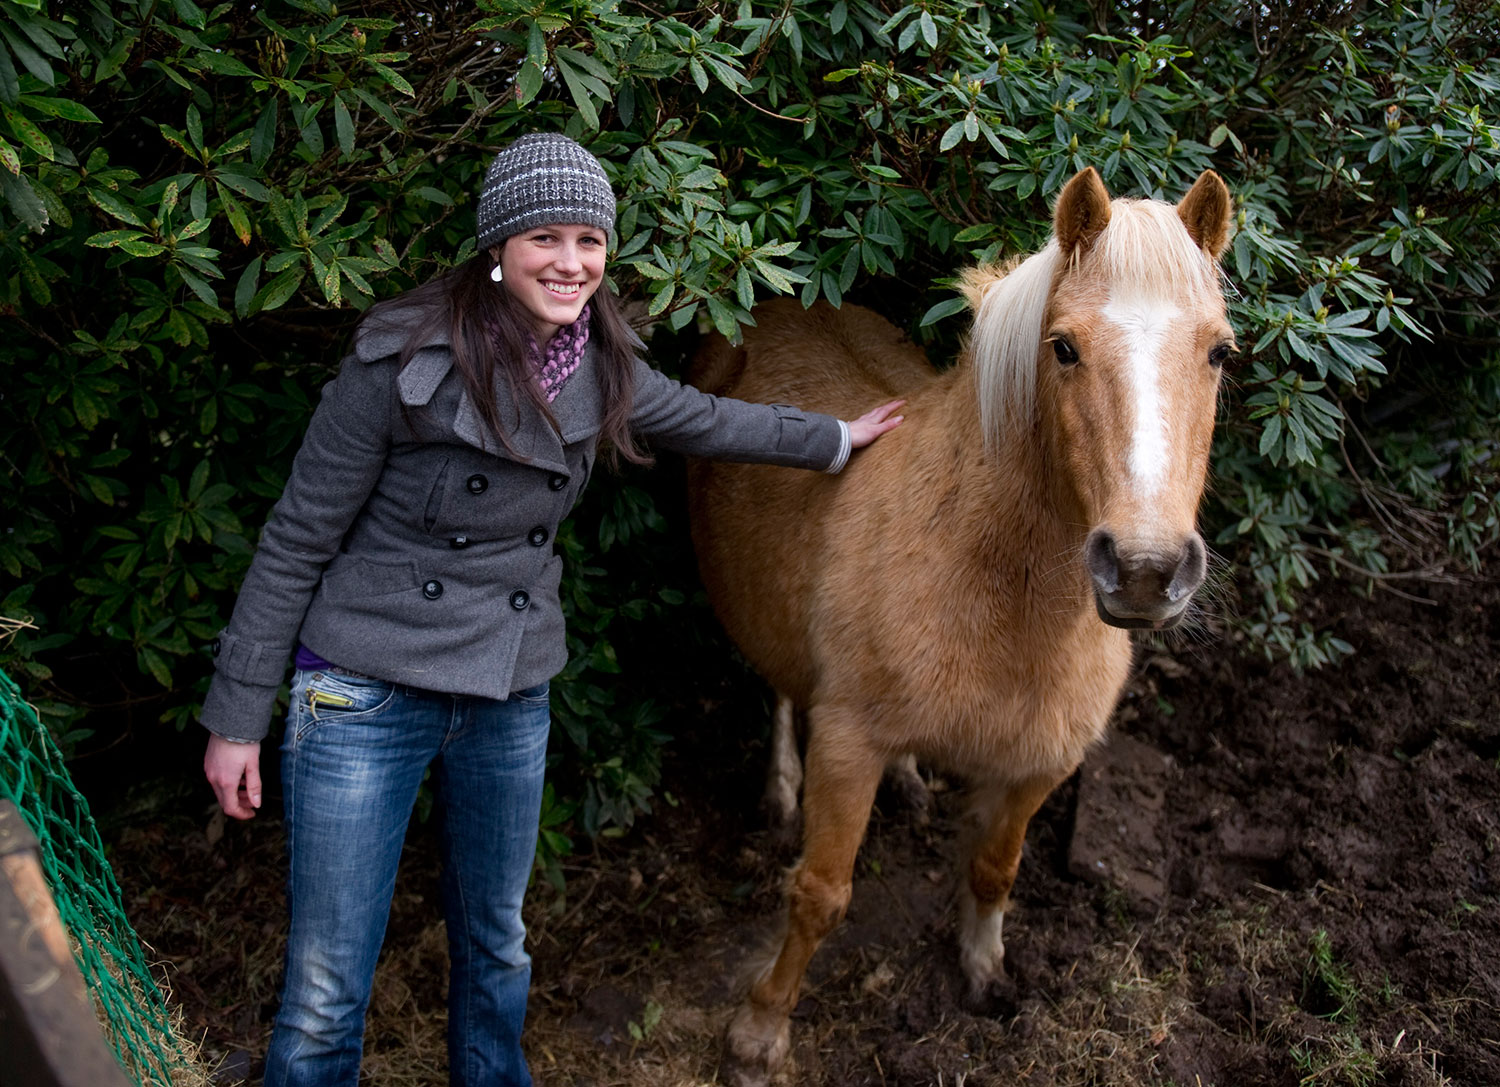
(195,202)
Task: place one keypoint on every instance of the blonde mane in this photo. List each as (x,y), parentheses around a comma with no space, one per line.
(1009,302)
(1145,246)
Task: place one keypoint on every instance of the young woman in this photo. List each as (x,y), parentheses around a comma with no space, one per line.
(408,567)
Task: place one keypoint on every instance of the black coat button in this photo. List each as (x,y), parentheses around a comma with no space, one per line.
(520,599)
(537,536)
(477,484)
(433,589)
(458,542)
(216,645)
(557,482)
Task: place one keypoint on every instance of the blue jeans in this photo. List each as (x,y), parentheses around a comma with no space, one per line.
(354,754)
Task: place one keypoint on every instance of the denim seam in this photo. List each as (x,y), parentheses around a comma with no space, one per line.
(289,790)
(456,727)
(468,945)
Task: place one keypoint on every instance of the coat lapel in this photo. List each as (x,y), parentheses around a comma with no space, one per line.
(532,438)
(577,408)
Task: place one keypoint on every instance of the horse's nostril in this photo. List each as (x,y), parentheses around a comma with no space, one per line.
(1102,561)
(1191,569)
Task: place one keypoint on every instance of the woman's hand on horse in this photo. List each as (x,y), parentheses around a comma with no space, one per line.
(234,772)
(873,423)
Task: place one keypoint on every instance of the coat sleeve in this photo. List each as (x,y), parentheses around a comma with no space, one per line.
(341,457)
(700,424)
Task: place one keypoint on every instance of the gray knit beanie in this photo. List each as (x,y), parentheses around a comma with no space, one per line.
(540,179)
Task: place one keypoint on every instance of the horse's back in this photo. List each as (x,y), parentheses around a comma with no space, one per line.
(839,361)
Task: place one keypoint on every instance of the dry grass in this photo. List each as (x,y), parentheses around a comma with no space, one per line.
(405,1043)
(1109,1030)
(168,1039)
(1120,1018)
(10,627)
(633,987)
(634,981)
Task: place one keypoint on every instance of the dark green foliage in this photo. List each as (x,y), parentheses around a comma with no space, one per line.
(196,201)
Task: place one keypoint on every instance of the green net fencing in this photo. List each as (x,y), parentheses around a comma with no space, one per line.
(33,777)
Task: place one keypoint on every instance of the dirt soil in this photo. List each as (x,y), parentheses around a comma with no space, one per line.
(1263,879)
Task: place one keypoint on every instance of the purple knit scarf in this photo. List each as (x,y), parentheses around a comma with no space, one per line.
(564,356)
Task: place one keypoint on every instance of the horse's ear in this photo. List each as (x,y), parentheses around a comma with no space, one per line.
(1082,212)
(1205,211)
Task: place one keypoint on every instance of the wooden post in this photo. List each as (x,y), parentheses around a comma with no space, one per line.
(49,1036)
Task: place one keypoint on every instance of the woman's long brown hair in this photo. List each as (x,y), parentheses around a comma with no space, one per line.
(488,336)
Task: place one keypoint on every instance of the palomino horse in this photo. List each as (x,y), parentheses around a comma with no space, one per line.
(962,591)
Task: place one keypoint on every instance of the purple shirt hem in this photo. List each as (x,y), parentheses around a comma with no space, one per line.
(308,661)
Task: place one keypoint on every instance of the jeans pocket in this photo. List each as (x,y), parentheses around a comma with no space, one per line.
(540,695)
(324,697)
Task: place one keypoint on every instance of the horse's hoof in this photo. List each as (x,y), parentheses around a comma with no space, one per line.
(733,1074)
(997,998)
(755,1046)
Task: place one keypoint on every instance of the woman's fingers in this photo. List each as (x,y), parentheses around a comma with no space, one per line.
(877,415)
(252,782)
(234,772)
(873,423)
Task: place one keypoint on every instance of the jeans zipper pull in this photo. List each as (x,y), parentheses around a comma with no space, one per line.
(316,698)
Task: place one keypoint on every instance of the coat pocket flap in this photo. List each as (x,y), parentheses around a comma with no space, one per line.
(349,578)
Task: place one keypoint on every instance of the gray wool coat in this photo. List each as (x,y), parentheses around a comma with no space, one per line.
(410,547)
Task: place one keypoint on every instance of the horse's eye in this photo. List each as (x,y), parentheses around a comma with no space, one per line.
(1066,353)
(1220,354)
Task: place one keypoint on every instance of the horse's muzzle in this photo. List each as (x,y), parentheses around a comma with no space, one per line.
(1133,622)
(1143,589)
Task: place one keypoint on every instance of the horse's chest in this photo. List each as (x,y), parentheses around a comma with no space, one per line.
(1029,714)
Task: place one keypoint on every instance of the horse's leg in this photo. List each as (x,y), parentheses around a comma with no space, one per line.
(842,776)
(784,777)
(992,867)
(908,785)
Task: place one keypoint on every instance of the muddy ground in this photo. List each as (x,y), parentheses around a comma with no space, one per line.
(1265,879)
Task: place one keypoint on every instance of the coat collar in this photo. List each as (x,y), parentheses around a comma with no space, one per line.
(578,408)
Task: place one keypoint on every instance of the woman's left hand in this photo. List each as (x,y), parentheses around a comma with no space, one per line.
(872,424)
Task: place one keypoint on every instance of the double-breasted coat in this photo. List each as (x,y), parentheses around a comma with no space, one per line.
(410,546)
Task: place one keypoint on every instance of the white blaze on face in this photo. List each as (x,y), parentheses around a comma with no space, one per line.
(1144,323)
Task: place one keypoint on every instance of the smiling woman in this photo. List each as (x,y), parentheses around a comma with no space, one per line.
(552,271)
(408,567)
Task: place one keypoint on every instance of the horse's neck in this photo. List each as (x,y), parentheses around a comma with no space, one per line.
(1021,531)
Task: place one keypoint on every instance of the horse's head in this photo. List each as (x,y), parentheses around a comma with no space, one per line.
(1130,338)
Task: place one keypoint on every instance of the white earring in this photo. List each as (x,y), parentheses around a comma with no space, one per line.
(496,273)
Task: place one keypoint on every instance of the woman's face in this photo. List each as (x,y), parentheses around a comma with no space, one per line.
(552,271)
